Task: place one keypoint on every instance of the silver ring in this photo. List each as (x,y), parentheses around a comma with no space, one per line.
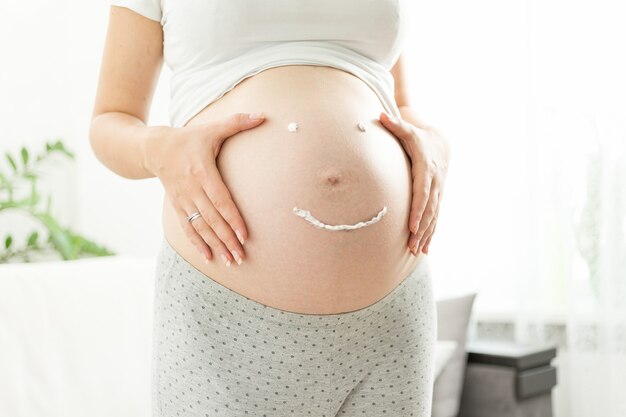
(193,216)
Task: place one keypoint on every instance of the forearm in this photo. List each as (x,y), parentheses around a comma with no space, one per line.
(122,143)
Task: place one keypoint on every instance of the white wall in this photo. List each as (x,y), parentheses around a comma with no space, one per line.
(469,73)
(470,63)
(50,54)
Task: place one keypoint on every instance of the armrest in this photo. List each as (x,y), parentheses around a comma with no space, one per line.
(504,378)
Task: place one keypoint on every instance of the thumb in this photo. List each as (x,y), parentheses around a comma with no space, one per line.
(237,122)
(399,128)
(394,125)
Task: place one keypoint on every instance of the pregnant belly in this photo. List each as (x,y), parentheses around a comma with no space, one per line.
(329,167)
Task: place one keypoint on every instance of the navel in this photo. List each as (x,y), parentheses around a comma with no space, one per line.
(333,180)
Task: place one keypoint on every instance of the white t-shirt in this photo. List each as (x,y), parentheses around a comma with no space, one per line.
(210,46)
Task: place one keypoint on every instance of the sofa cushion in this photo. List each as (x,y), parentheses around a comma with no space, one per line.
(453,315)
(75,337)
(444,349)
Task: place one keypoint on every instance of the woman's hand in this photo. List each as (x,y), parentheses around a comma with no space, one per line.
(185,163)
(430,154)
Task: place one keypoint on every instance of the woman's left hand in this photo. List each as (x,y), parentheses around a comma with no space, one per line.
(429,152)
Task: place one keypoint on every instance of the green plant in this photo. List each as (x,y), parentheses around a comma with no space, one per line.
(67,243)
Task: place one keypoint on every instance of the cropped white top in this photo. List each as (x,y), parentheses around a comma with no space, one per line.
(212,45)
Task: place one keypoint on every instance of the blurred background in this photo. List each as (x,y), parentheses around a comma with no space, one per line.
(531,95)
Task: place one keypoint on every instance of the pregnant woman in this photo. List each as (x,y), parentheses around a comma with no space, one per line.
(292,278)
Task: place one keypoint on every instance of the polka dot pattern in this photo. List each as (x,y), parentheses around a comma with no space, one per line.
(219,353)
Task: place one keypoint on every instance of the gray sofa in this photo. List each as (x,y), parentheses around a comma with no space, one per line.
(483,378)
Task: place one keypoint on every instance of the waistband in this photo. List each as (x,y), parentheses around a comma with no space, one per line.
(236,304)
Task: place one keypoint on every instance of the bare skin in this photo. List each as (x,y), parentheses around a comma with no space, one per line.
(329,166)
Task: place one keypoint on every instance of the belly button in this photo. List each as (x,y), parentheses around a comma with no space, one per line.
(336,177)
(306,215)
(333,179)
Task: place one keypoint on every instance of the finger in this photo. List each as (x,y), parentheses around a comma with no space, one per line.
(209,236)
(427,245)
(429,214)
(235,123)
(422,184)
(427,234)
(396,125)
(221,229)
(192,234)
(219,195)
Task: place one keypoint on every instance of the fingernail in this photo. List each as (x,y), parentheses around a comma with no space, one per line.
(390,117)
(236,256)
(239,236)
(256,115)
(225,259)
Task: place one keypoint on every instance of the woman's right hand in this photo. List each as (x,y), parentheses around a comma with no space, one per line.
(185,163)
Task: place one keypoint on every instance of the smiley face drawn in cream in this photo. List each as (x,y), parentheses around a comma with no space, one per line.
(306,215)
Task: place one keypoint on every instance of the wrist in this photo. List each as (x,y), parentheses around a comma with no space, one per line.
(410,115)
(153,140)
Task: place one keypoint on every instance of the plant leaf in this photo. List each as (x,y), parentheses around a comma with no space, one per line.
(84,245)
(30,175)
(34,195)
(57,236)
(66,151)
(32,238)
(24,155)
(3,179)
(11,161)
(7,241)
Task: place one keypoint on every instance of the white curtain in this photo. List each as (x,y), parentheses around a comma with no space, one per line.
(573,289)
(532,94)
(573,293)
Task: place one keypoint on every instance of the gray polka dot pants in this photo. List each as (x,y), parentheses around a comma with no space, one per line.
(219,353)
